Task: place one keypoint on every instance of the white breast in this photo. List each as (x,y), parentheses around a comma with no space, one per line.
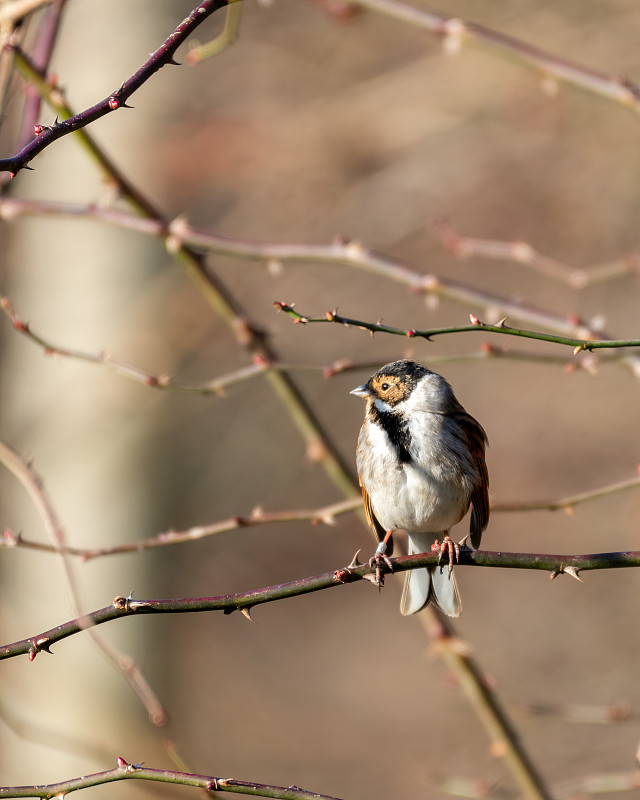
(427,495)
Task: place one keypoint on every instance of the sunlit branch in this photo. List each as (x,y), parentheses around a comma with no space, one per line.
(475,326)
(125,771)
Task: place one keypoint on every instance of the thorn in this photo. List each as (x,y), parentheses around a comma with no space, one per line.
(554,574)
(501,323)
(574,572)
(344,574)
(578,349)
(122,762)
(39,645)
(44,644)
(474,319)
(172,62)
(246,612)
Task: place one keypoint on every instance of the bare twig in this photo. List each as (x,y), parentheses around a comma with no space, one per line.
(324,515)
(225,39)
(455,32)
(125,771)
(568,503)
(34,485)
(523,253)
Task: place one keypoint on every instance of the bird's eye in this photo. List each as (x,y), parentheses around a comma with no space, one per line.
(384,387)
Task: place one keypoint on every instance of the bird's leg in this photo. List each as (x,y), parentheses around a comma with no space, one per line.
(379,557)
(451,548)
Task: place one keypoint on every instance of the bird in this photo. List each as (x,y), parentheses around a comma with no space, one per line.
(421,465)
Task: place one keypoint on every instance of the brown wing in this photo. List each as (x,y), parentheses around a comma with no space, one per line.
(378,531)
(477,440)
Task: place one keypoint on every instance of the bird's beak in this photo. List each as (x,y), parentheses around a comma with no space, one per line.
(361,391)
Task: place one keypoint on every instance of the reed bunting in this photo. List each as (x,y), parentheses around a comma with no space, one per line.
(421,465)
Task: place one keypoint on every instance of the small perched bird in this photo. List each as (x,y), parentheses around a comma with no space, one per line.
(421,464)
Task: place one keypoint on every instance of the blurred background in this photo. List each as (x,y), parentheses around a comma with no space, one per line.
(317,123)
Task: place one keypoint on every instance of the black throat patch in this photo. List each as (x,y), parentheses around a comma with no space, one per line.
(396,429)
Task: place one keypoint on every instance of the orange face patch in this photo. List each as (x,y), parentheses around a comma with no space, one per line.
(390,388)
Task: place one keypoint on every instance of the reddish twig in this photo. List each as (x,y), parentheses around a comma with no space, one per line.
(40,55)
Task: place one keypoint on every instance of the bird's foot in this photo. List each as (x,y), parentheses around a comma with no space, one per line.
(379,561)
(451,548)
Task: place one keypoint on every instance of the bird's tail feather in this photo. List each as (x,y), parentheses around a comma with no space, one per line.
(431,584)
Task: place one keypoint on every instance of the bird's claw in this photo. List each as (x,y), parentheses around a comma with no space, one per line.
(451,548)
(380,560)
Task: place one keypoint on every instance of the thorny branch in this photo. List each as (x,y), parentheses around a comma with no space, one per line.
(47,134)
(245,601)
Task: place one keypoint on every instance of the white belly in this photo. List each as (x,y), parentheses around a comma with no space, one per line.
(414,500)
